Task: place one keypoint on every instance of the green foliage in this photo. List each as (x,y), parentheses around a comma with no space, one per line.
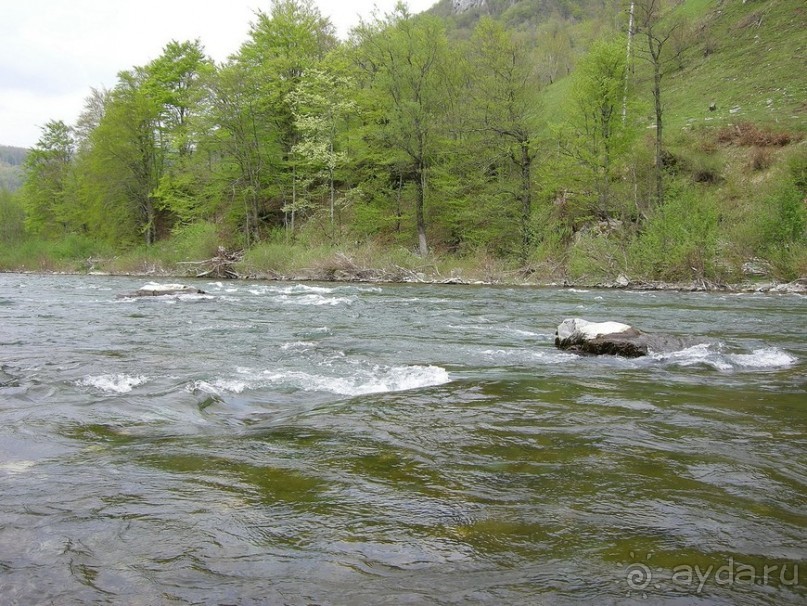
(12,218)
(194,242)
(784,219)
(408,63)
(48,168)
(461,137)
(598,132)
(72,253)
(680,239)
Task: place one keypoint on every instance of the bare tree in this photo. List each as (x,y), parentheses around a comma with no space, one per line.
(658,30)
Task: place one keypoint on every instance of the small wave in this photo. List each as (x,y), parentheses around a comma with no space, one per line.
(117,383)
(15,467)
(770,358)
(314,299)
(297,346)
(293,289)
(217,386)
(378,379)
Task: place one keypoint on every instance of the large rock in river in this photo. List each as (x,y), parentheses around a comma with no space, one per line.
(596,338)
(615,338)
(152,289)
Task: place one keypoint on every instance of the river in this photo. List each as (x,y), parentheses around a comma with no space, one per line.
(348,444)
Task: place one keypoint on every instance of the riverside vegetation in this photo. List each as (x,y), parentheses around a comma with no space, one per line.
(488,140)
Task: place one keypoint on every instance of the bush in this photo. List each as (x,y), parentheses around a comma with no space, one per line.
(194,242)
(12,218)
(747,134)
(760,158)
(680,239)
(73,253)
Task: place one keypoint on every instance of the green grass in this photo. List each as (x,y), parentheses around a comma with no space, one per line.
(753,70)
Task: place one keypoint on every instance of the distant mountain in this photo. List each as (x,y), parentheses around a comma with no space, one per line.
(11,172)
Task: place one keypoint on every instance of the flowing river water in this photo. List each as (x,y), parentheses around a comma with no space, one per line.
(280,443)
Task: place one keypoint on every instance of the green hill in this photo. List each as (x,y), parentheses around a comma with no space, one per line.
(11,161)
(746,59)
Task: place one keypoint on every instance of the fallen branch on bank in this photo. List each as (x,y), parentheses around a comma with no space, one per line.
(220,266)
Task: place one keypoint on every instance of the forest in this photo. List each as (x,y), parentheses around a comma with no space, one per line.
(583,141)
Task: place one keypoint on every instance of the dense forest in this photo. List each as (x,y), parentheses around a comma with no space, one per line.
(546,139)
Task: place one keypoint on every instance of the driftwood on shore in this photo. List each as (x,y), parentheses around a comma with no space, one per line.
(220,266)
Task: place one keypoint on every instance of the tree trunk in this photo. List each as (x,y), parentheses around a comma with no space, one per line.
(659,130)
(627,64)
(421,221)
(526,199)
(150,230)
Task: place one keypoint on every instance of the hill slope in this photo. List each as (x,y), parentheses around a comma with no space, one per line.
(11,161)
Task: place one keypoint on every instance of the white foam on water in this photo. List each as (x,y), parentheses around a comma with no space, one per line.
(314,299)
(696,355)
(14,467)
(528,356)
(297,346)
(523,333)
(117,383)
(770,358)
(378,379)
(191,297)
(217,386)
(158,287)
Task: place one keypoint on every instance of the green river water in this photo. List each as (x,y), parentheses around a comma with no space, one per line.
(281,443)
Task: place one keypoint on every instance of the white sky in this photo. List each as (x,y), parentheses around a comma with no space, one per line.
(53,51)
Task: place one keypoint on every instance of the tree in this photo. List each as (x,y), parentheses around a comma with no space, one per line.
(91,116)
(406,59)
(177,83)
(245,144)
(320,105)
(504,89)
(124,163)
(174,81)
(282,46)
(658,33)
(595,133)
(48,170)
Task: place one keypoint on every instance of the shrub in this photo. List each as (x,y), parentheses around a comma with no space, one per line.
(680,239)
(194,242)
(760,158)
(747,134)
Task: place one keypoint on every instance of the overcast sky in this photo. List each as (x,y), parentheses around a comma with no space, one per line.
(53,51)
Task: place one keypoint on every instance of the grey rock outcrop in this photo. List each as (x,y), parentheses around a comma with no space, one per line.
(598,338)
(615,339)
(160,290)
(460,6)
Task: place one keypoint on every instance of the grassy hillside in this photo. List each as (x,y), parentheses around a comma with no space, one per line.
(749,59)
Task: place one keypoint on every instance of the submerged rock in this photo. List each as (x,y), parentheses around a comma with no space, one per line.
(615,339)
(153,289)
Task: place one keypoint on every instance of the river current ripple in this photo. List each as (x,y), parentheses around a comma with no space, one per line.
(281,443)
